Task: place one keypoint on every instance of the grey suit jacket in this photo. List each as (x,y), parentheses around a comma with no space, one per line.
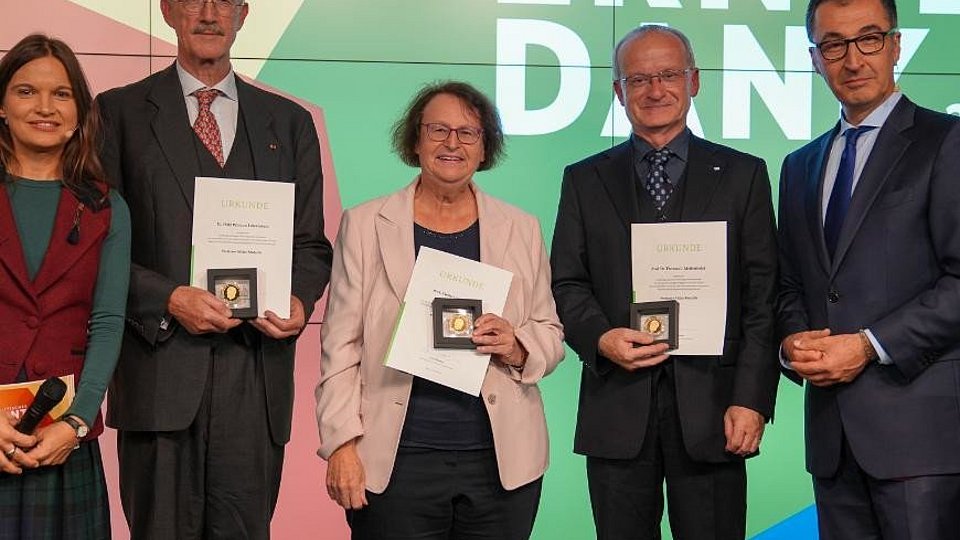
(591,283)
(161,373)
(896,272)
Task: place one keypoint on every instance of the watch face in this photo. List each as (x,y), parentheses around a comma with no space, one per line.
(80,429)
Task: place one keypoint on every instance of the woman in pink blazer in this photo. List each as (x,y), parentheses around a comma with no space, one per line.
(409,458)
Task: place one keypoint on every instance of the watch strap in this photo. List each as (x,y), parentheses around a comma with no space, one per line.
(74,422)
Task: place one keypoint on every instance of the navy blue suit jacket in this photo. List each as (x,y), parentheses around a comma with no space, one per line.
(896,272)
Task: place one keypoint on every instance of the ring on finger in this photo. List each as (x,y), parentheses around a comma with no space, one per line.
(11,452)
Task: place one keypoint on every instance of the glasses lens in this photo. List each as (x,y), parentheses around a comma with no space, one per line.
(671,76)
(225,6)
(870,43)
(833,50)
(437,132)
(468,135)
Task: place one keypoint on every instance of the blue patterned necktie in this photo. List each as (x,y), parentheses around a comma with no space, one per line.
(842,188)
(658,182)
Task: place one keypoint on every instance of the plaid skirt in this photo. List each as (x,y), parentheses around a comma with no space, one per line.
(66,502)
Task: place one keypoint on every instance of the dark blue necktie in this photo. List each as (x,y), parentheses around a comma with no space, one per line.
(842,188)
(658,182)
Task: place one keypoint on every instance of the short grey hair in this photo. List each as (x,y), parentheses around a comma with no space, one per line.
(643,30)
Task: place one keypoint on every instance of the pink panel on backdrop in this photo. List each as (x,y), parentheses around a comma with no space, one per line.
(304,510)
(84,30)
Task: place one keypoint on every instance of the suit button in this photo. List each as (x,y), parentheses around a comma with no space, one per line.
(492,399)
(833,297)
(32,322)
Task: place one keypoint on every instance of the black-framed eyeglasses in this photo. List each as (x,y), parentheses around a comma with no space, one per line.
(439,133)
(870,43)
(223,7)
(667,77)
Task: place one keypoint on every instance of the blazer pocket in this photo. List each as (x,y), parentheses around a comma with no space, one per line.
(895,198)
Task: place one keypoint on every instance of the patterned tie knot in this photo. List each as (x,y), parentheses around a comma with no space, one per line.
(206,97)
(854,133)
(658,157)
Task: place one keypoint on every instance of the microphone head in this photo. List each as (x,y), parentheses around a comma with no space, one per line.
(53,389)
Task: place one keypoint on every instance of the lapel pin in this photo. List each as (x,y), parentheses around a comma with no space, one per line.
(273,146)
(716,169)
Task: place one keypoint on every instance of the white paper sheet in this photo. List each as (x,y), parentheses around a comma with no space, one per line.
(440,274)
(245,224)
(686,262)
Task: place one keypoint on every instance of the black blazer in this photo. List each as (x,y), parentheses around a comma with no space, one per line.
(896,272)
(161,373)
(592,286)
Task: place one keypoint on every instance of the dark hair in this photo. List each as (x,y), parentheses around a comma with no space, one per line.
(645,29)
(81,169)
(890,6)
(406,132)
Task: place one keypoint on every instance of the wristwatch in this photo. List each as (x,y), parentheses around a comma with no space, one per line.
(79,427)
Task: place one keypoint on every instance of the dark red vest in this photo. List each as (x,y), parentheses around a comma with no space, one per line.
(43,323)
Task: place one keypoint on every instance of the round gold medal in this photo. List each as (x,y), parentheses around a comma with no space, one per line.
(653,325)
(458,323)
(231,292)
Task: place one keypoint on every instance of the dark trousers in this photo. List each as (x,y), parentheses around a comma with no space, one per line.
(447,495)
(705,500)
(852,505)
(217,479)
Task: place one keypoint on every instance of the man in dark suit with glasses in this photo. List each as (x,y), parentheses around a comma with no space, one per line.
(203,402)
(869,303)
(644,416)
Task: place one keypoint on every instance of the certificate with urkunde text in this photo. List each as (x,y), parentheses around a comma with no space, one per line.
(437,274)
(686,262)
(245,224)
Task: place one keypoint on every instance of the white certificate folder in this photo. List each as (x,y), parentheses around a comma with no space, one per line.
(438,274)
(686,262)
(245,224)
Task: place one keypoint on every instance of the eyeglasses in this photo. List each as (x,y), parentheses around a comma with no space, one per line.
(667,77)
(223,7)
(836,49)
(440,132)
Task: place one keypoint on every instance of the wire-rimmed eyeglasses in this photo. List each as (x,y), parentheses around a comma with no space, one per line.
(223,7)
(667,77)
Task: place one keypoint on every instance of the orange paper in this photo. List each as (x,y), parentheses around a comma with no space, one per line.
(16,398)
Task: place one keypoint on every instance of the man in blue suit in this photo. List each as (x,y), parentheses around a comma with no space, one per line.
(869,302)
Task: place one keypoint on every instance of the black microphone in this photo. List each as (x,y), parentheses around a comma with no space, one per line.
(50,393)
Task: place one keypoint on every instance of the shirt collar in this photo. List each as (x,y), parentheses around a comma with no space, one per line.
(678,146)
(190,84)
(878,116)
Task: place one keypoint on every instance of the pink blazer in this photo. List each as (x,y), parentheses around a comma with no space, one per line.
(358,396)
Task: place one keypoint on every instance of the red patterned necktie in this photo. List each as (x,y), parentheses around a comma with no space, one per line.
(206,125)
